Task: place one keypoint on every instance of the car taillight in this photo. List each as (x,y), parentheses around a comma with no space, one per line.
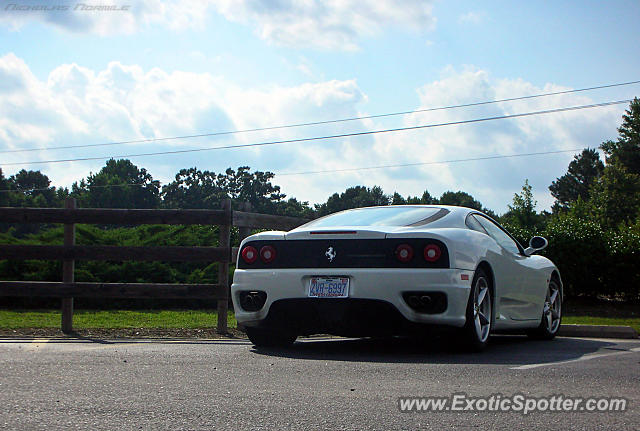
(432,253)
(249,254)
(267,254)
(404,253)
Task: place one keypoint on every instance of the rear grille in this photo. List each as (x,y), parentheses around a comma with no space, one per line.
(346,253)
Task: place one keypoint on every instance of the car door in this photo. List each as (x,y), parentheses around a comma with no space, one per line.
(512,273)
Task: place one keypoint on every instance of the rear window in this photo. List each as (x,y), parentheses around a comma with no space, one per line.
(381,216)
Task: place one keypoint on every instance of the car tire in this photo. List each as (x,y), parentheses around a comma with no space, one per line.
(477,328)
(551,314)
(264,338)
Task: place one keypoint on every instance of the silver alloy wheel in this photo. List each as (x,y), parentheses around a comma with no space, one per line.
(552,310)
(482,309)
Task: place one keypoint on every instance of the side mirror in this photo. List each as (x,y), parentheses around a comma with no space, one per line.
(536,243)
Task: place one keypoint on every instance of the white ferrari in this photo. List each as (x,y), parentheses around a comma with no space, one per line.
(395,270)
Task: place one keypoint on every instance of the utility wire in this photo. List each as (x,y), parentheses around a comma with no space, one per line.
(402,165)
(325,137)
(440,162)
(315,123)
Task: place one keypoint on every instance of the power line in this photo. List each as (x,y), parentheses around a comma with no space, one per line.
(317,138)
(441,162)
(402,165)
(316,123)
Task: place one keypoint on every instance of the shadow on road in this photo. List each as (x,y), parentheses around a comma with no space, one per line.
(507,350)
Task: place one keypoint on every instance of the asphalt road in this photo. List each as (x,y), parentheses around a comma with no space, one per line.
(316,384)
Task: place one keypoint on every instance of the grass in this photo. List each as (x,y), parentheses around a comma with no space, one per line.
(114,319)
(634,322)
(191,319)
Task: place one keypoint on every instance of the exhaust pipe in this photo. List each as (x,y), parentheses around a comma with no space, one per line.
(414,301)
(426,301)
(252,300)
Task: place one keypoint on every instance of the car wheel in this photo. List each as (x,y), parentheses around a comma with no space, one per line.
(551,314)
(479,309)
(264,338)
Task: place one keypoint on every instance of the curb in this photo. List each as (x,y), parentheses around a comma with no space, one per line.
(597,331)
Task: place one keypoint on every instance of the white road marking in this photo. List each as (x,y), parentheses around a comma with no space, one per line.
(582,358)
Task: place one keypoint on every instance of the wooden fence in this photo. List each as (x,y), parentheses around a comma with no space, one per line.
(68,289)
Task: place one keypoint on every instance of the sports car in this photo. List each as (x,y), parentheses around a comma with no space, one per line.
(395,270)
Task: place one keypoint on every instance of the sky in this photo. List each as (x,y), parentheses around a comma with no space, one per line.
(84,73)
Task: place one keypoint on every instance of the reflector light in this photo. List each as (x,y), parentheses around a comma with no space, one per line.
(432,253)
(404,253)
(249,254)
(267,254)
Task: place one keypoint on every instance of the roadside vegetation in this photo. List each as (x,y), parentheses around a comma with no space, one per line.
(590,320)
(114,319)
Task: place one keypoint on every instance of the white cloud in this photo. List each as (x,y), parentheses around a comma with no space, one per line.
(494,182)
(77,105)
(337,24)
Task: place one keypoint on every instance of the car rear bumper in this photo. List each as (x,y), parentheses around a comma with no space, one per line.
(375,299)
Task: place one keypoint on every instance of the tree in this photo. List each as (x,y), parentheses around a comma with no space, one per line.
(459,198)
(294,208)
(522,212)
(193,188)
(119,184)
(32,189)
(353,197)
(4,190)
(616,197)
(583,171)
(397,199)
(253,187)
(426,199)
(626,150)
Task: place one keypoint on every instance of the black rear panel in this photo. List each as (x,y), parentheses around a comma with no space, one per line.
(349,317)
(347,253)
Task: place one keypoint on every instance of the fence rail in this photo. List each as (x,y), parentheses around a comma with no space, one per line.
(116,253)
(115,216)
(53,289)
(68,289)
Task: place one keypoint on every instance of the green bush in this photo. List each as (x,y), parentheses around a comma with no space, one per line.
(579,249)
(622,273)
(592,260)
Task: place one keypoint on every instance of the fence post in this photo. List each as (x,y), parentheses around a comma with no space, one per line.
(223,268)
(68,267)
(245,231)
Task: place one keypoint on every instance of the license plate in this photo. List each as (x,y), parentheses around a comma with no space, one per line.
(329,287)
